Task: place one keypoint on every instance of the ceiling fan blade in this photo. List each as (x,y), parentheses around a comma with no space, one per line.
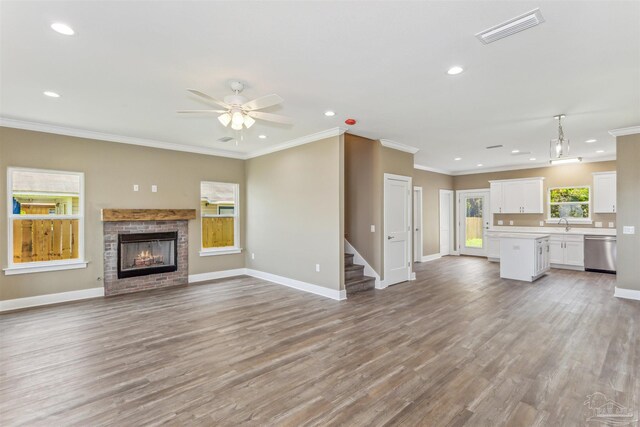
(202,111)
(262,102)
(208,98)
(270,117)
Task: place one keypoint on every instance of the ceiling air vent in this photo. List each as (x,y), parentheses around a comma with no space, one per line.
(491,147)
(512,26)
(225,139)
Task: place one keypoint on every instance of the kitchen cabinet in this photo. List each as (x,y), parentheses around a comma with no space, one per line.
(604,192)
(493,247)
(523,256)
(566,250)
(517,196)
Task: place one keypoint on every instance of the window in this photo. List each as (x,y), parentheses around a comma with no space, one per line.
(572,203)
(219,212)
(46,220)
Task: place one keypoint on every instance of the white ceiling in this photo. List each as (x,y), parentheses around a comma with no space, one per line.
(382,63)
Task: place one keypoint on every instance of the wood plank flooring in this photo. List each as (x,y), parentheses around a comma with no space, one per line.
(459,346)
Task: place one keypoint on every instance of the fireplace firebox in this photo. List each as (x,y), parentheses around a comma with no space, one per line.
(141,254)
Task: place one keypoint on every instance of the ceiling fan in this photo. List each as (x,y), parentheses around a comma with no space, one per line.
(238,111)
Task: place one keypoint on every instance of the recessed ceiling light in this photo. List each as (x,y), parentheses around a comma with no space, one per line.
(479,164)
(51,94)
(532,158)
(599,151)
(61,28)
(455,70)
(329,113)
(515,151)
(262,136)
(590,141)
(458,158)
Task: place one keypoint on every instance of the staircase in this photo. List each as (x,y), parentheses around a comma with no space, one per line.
(354,278)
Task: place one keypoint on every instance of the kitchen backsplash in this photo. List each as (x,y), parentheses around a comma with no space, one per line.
(533,220)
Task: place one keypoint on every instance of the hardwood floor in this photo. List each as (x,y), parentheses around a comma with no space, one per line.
(459,346)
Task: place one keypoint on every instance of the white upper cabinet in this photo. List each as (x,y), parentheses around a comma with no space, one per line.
(517,196)
(604,192)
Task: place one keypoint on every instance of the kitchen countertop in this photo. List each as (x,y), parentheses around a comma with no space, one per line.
(554,230)
(531,236)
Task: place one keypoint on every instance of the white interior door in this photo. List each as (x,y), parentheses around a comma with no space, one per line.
(417,224)
(446,222)
(474,214)
(397,228)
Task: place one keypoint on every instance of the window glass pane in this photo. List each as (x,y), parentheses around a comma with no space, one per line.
(45,240)
(473,222)
(218,232)
(570,210)
(217,198)
(579,194)
(44,193)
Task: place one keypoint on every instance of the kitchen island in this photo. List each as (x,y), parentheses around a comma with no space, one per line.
(523,256)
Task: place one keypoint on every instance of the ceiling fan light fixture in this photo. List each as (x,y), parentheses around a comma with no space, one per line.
(236,126)
(248,121)
(237,118)
(225,119)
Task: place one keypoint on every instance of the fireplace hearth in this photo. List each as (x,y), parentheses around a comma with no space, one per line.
(142,254)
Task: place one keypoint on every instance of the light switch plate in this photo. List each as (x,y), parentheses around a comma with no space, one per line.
(629,229)
(154,188)
(500,222)
(612,224)
(317,267)
(373,228)
(598,224)
(253,256)
(136,187)
(511,222)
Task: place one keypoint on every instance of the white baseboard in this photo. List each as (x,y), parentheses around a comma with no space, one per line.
(627,293)
(19,303)
(358,259)
(297,284)
(203,277)
(432,257)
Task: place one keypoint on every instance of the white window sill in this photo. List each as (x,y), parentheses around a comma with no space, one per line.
(222,251)
(571,221)
(35,268)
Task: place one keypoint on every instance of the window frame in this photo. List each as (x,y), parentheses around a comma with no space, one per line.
(551,220)
(226,250)
(43,266)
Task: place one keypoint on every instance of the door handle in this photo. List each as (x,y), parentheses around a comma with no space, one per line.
(389,237)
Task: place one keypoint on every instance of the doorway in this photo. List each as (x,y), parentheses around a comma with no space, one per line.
(397,228)
(417,224)
(473,221)
(446,223)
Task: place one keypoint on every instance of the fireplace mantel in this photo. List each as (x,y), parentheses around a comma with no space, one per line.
(120,215)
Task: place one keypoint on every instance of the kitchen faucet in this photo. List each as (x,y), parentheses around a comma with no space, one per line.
(568,227)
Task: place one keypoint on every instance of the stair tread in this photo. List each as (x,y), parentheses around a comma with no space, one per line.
(354,267)
(359,280)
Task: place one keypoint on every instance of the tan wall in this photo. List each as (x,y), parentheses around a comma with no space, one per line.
(555,176)
(110,171)
(628,201)
(366,162)
(431,184)
(294,213)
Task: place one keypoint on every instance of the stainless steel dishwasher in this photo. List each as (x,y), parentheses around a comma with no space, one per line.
(600,253)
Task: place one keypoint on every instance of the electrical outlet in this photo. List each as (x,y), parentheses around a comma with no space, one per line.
(511,222)
(500,222)
(541,223)
(318,267)
(373,228)
(154,188)
(612,225)
(136,187)
(253,256)
(598,224)
(629,229)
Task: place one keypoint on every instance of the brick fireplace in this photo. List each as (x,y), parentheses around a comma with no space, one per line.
(145,249)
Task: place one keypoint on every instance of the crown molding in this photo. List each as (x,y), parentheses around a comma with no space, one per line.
(397,146)
(531,166)
(298,141)
(625,131)
(428,169)
(83,133)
